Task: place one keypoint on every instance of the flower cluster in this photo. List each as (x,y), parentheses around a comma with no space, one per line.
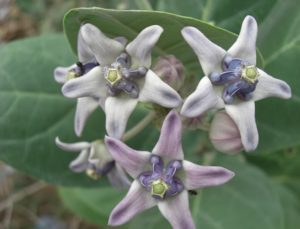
(115,75)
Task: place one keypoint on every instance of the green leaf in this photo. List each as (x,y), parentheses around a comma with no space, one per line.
(226,14)
(278,120)
(129,23)
(249,200)
(33,111)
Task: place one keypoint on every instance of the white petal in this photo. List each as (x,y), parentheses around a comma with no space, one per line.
(117,111)
(92,84)
(84,53)
(118,178)
(201,100)
(169,142)
(243,114)
(269,86)
(176,211)
(197,176)
(61,73)
(81,163)
(106,50)
(72,147)
(245,45)
(85,107)
(209,54)
(156,91)
(136,201)
(140,48)
(133,161)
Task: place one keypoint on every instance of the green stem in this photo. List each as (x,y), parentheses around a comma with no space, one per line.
(139,127)
(143,5)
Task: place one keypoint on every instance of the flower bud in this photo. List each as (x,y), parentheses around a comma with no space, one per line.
(225,135)
(170,70)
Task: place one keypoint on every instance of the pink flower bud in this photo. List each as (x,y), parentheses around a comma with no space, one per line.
(170,70)
(225,135)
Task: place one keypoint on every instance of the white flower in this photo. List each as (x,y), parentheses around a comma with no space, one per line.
(235,73)
(123,77)
(96,161)
(162,178)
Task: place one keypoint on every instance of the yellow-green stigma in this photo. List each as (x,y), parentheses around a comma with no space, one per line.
(159,188)
(72,74)
(92,174)
(113,76)
(250,73)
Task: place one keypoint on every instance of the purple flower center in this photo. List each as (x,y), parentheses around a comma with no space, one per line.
(238,77)
(162,182)
(94,172)
(120,77)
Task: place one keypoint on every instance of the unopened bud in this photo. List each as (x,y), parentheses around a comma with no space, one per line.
(170,70)
(225,135)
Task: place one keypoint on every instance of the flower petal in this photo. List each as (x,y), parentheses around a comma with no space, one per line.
(201,100)
(61,74)
(106,50)
(224,134)
(80,163)
(243,114)
(117,111)
(72,147)
(136,201)
(176,211)
(118,177)
(92,84)
(140,48)
(131,160)
(197,176)
(245,46)
(169,143)
(209,54)
(157,91)
(85,107)
(84,53)
(269,86)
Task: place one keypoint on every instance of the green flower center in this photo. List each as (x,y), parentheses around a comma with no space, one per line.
(250,73)
(159,188)
(113,76)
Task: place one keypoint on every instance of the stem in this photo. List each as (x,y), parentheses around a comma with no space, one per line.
(139,127)
(143,5)
(22,194)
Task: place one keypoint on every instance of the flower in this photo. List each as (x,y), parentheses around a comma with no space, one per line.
(235,73)
(96,161)
(164,186)
(224,134)
(85,105)
(123,77)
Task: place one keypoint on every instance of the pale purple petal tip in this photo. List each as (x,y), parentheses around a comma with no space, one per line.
(131,160)
(176,211)
(72,147)
(197,176)
(245,46)
(201,100)
(136,201)
(169,143)
(155,90)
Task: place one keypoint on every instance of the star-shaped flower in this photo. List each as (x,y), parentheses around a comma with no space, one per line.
(123,77)
(96,161)
(167,184)
(232,80)
(85,105)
